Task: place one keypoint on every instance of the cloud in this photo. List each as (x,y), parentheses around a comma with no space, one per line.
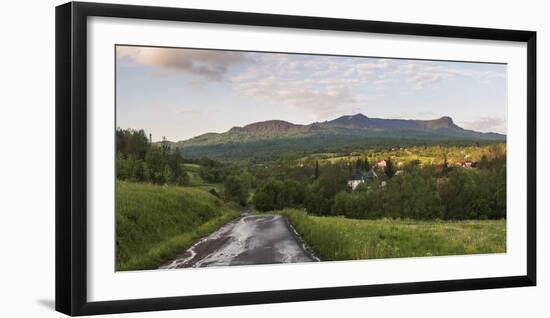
(486,124)
(320,100)
(424,79)
(321,85)
(206,63)
(421,74)
(328,84)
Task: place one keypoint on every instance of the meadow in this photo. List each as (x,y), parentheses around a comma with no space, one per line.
(156,222)
(424,155)
(338,238)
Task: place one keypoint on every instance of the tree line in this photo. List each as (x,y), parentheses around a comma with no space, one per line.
(417,193)
(421,193)
(138,159)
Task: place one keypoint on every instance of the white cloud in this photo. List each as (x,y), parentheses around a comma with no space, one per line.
(421,74)
(324,100)
(322,85)
(486,124)
(327,84)
(424,79)
(207,63)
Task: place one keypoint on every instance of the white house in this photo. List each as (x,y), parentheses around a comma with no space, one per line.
(352,184)
(360,178)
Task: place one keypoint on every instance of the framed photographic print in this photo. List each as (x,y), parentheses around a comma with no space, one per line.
(211,158)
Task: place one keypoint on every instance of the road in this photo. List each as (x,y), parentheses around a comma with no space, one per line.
(249,239)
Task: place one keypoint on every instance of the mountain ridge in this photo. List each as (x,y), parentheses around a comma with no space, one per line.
(357,121)
(348,129)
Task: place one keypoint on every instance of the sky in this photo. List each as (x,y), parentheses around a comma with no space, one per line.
(182,93)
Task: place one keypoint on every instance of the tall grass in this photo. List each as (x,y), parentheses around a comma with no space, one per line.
(154,223)
(337,238)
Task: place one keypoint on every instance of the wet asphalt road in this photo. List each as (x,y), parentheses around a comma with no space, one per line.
(250,239)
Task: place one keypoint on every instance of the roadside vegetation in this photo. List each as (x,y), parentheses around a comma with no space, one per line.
(154,223)
(338,238)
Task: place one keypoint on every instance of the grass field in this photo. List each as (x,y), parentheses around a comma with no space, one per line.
(426,155)
(337,238)
(154,223)
(197,182)
(192,167)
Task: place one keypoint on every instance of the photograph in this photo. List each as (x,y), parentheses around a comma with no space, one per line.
(227,157)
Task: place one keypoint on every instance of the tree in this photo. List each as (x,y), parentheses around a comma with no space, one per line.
(165,145)
(366,164)
(236,189)
(315,202)
(211,170)
(155,165)
(121,167)
(131,141)
(359,166)
(319,196)
(176,174)
(292,194)
(316,169)
(483,162)
(269,196)
(390,169)
(278,193)
(262,201)
(132,167)
(446,169)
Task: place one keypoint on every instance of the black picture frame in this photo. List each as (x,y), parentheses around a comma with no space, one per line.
(71,157)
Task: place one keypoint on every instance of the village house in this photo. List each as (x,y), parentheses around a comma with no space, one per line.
(360,178)
(467,164)
(381,163)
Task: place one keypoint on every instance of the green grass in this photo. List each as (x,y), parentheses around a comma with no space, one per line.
(192,167)
(197,182)
(337,238)
(194,178)
(154,223)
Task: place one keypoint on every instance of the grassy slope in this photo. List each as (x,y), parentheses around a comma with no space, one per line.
(336,238)
(154,223)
